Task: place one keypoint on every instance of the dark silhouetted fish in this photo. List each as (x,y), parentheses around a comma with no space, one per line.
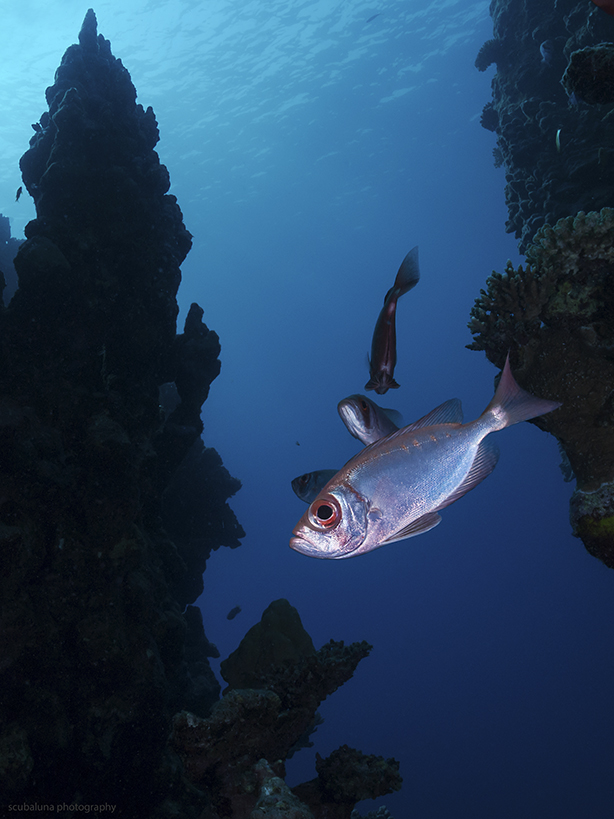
(373,16)
(384,345)
(233,613)
(307,487)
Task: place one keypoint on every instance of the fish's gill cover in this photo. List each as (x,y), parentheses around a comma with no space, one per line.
(97,653)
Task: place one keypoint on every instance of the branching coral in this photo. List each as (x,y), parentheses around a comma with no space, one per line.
(490,53)
(555,316)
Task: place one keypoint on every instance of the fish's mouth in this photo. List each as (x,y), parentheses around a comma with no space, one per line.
(306,547)
(300,544)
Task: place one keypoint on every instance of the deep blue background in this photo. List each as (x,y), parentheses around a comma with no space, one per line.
(309,151)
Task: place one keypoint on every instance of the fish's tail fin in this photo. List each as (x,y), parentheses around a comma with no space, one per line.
(380,384)
(408,275)
(511,404)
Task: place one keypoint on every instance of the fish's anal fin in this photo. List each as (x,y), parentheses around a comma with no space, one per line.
(416,527)
(483,464)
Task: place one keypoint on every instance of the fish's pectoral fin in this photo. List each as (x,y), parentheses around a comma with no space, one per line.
(483,464)
(416,527)
(394,416)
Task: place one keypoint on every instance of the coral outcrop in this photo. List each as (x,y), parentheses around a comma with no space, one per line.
(346,777)
(556,315)
(251,731)
(97,652)
(380,813)
(278,638)
(555,144)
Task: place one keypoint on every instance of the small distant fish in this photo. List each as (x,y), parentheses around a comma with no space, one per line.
(307,487)
(395,488)
(365,420)
(19,192)
(606,5)
(546,49)
(233,613)
(384,345)
(373,16)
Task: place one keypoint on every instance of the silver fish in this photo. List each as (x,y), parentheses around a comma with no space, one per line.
(365,420)
(384,344)
(308,486)
(395,488)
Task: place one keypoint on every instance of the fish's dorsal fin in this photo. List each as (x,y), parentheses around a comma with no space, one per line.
(450,412)
(416,527)
(483,464)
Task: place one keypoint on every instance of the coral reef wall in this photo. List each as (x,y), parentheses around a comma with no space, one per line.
(553,113)
(92,586)
(555,143)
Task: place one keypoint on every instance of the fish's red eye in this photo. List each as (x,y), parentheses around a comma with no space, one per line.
(325,512)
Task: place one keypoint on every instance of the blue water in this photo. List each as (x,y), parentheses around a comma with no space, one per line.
(310,150)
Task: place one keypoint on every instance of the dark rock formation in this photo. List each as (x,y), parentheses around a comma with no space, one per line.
(96,650)
(8,250)
(195,513)
(556,149)
(110,503)
(278,638)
